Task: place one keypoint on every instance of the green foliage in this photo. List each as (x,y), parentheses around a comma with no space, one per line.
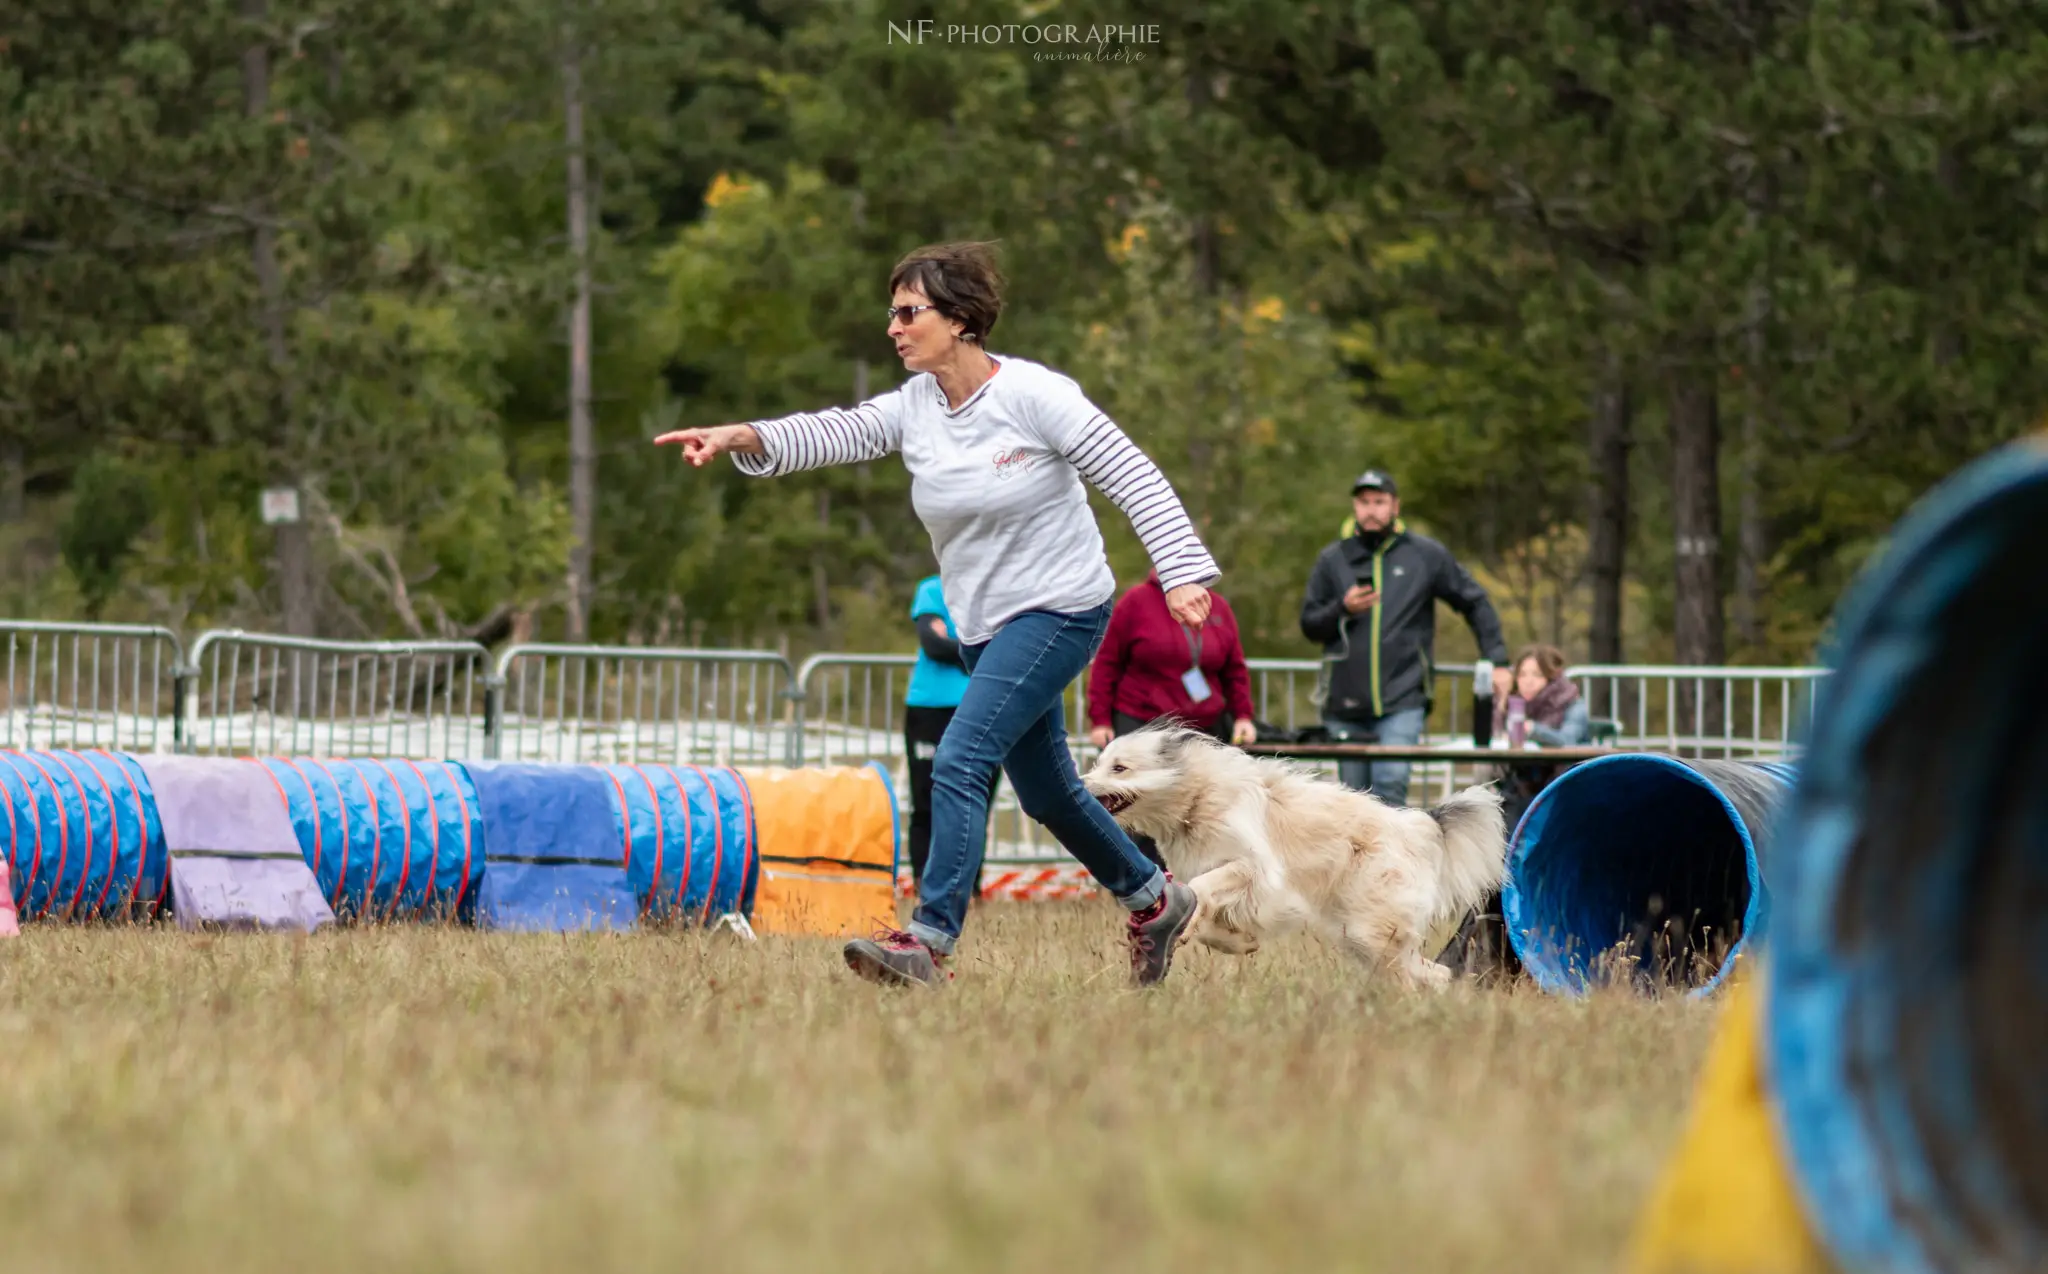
(110,505)
(1241,401)
(1287,241)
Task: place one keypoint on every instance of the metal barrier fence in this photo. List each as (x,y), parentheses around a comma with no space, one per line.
(130,687)
(1681,709)
(637,703)
(853,714)
(90,685)
(260,694)
(1735,713)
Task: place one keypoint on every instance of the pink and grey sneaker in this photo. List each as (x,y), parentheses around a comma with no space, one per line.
(1157,930)
(895,958)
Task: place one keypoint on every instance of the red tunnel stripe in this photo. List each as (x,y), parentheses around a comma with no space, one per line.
(376,843)
(312,796)
(340,803)
(717,841)
(405,864)
(13,836)
(29,790)
(746,806)
(85,810)
(99,904)
(63,832)
(434,821)
(141,815)
(114,850)
(625,816)
(689,837)
(282,798)
(659,837)
(463,805)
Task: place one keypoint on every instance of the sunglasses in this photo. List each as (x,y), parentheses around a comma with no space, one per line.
(905,313)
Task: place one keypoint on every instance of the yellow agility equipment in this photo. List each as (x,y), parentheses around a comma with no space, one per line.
(828,842)
(1727,1203)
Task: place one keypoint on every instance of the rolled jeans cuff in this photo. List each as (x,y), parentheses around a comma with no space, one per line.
(1147,895)
(938,940)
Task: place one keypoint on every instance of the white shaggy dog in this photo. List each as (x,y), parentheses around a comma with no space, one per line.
(1268,847)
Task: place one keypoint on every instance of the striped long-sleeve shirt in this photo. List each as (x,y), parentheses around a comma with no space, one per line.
(997,483)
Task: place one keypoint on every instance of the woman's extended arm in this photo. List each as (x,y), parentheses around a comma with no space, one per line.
(806,440)
(702,446)
(1112,462)
(1082,432)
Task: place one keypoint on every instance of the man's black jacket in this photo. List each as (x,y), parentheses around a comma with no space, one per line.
(1382,659)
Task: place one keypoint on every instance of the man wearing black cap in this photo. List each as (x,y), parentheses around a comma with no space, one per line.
(1371,602)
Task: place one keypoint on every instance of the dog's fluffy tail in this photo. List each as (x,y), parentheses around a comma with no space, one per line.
(1475,852)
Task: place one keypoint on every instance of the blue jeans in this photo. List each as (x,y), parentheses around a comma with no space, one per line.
(1387,780)
(1012,716)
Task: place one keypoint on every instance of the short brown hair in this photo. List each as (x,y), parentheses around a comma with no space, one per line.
(962,281)
(1549,661)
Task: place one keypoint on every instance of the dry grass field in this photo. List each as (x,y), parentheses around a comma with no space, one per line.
(413,1099)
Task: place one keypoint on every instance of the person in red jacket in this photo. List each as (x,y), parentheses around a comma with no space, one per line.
(1152,667)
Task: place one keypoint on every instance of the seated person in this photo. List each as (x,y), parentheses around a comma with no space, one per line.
(1545,708)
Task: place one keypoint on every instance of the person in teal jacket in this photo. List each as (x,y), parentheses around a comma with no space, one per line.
(936,684)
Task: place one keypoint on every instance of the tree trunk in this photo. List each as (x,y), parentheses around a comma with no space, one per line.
(13,481)
(1203,230)
(1696,519)
(1750,548)
(872,580)
(582,446)
(820,578)
(1607,516)
(1948,171)
(292,546)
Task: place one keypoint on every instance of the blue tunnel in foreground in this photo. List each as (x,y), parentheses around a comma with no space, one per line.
(1905,1029)
(1642,866)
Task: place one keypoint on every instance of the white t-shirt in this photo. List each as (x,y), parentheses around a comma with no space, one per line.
(997,484)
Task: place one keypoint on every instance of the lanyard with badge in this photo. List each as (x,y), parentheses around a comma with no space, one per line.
(1192,680)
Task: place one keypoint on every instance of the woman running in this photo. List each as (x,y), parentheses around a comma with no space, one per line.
(996,448)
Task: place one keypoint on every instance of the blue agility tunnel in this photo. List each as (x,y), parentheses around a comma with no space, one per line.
(556,859)
(688,837)
(1642,866)
(84,841)
(1906,1011)
(387,839)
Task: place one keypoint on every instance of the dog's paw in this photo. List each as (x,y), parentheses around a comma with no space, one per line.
(1231,941)
(1427,975)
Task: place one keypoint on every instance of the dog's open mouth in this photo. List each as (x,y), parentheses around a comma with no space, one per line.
(1115,802)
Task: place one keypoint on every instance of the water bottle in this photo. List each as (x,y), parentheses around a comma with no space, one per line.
(1482,703)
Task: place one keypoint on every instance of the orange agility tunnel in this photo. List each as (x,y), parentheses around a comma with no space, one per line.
(829,844)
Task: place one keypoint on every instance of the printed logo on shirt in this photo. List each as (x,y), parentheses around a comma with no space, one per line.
(1015,461)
